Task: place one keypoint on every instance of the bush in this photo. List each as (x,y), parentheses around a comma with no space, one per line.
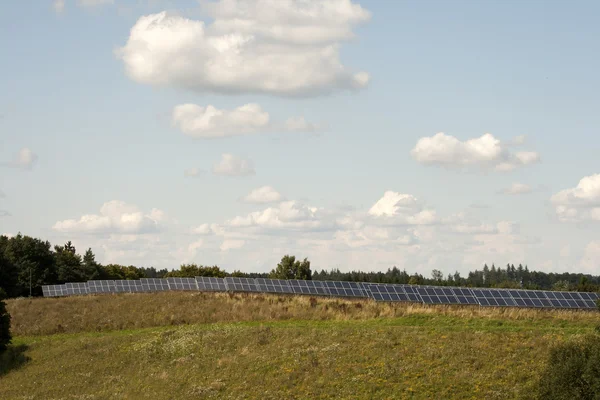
(5,337)
(573,371)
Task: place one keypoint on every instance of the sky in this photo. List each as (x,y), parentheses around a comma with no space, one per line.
(359,134)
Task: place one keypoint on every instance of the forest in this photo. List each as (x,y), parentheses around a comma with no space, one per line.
(27,263)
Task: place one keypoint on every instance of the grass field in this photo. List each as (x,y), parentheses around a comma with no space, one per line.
(194,346)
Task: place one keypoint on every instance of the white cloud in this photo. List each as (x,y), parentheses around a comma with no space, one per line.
(580,203)
(231,244)
(59,6)
(115,217)
(483,152)
(398,208)
(289,215)
(192,172)
(4,213)
(517,188)
(231,165)
(94,3)
(264,194)
(299,124)
(279,47)
(2,194)
(24,159)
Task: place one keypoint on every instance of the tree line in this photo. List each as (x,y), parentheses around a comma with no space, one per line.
(27,263)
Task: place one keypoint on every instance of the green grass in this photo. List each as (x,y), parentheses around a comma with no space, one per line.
(427,353)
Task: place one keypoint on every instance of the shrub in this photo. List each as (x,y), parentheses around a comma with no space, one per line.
(5,337)
(573,371)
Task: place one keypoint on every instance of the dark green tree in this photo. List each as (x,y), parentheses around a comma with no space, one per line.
(34,263)
(68,264)
(5,336)
(8,270)
(91,268)
(572,371)
(290,268)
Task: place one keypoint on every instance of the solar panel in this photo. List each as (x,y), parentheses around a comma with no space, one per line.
(412,294)
(182,283)
(129,286)
(273,285)
(345,289)
(308,287)
(76,288)
(437,295)
(387,292)
(54,290)
(210,284)
(495,298)
(464,296)
(236,284)
(155,284)
(101,286)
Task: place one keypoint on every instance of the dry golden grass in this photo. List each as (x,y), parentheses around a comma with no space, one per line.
(44,316)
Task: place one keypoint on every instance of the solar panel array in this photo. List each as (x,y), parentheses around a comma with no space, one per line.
(378,291)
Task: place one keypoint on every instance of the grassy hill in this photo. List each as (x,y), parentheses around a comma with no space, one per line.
(195,345)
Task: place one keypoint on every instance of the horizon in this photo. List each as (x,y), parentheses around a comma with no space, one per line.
(361,135)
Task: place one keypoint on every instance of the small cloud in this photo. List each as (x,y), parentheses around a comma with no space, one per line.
(210,122)
(483,152)
(231,165)
(4,213)
(24,159)
(231,244)
(59,6)
(193,172)
(517,188)
(263,195)
(2,195)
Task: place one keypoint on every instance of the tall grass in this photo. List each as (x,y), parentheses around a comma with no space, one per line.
(44,316)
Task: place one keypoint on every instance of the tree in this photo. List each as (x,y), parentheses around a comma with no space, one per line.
(91,268)
(290,268)
(68,264)
(8,270)
(5,337)
(437,275)
(34,263)
(192,270)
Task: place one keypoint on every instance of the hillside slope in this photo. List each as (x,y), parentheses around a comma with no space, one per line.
(191,346)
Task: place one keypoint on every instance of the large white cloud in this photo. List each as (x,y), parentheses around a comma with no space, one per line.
(264,194)
(280,47)
(231,165)
(482,152)
(211,122)
(24,159)
(115,217)
(579,203)
(403,209)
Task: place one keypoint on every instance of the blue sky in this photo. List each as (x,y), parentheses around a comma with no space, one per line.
(88,121)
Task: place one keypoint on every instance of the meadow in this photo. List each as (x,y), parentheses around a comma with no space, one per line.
(178,345)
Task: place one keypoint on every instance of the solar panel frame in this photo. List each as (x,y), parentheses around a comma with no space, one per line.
(315,288)
(345,289)
(464,296)
(101,286)
(437,295)
(182,283)
(387,292)
(236,284)
(76,288)
(155,284)
(274,285)
(211,284)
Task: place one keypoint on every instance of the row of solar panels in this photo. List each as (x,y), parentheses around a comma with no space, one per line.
(376,291)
